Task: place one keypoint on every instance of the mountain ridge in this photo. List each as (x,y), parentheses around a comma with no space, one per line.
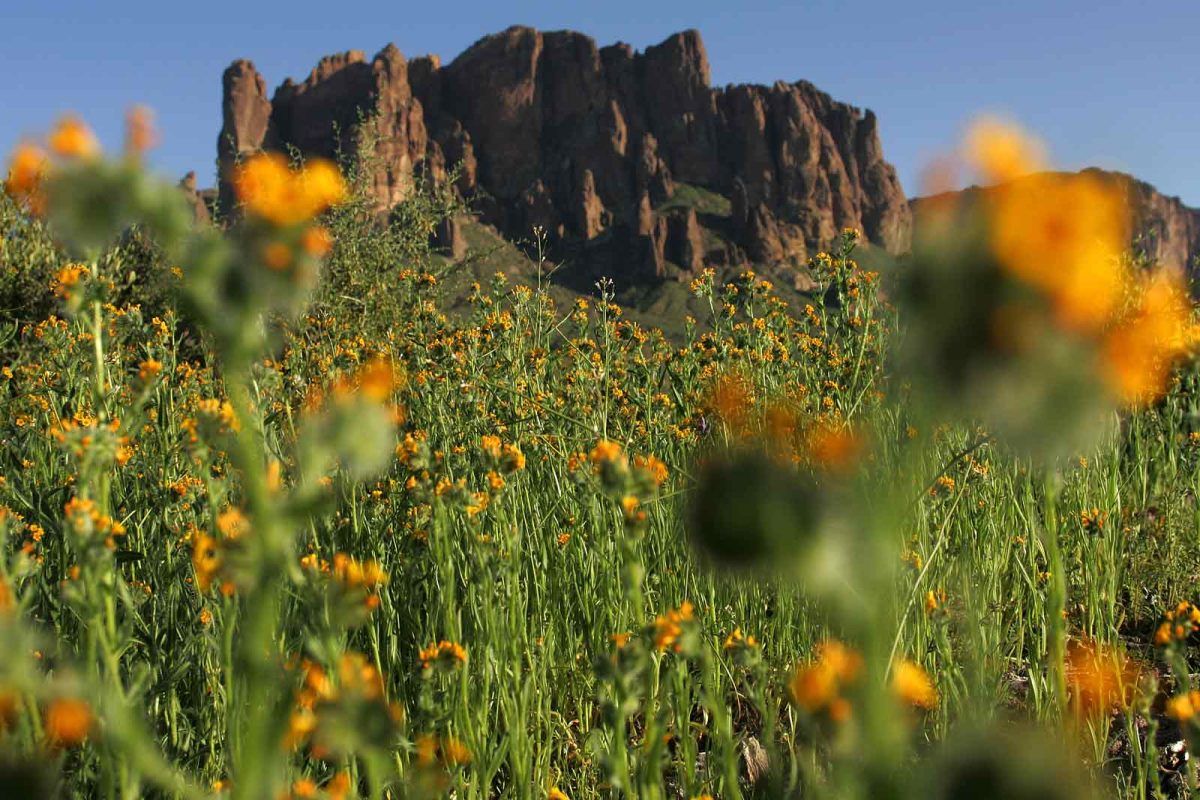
(589,143)
(606,148)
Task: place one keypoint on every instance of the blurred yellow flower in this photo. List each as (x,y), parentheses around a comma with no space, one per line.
(1101,679)
(1183,707)
(912,685)
(668,628)
(206,560)
(443,652)
(817,686)
(1138,353)
(1063,235)
(1001,151)
(26,170)
(72,138)
(270,189)
(605,451)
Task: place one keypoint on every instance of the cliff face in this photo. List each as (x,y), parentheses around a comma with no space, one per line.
(587,142)
(1163,227)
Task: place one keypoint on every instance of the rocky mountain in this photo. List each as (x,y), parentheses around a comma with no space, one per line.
(606,149)
(1163,228)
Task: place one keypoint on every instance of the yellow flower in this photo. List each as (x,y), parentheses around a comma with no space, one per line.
(1001,151)
(148,369)
(817,686)
(447,751)
(557,794)
(67,279)
(668,628)
(444,652)
(604,452)
(269,189)
(1138,352)
(206,560)
(322,184)
(1183,707)
(232,523)
(72,138)
(912,685)
(26,171)
(931,602)
(1101,679)
(1063,236)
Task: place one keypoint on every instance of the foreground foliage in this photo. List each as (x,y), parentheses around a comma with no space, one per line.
(270,536)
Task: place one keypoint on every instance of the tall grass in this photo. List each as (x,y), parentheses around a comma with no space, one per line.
(188,495)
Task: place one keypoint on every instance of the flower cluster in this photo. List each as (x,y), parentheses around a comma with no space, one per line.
(819,687)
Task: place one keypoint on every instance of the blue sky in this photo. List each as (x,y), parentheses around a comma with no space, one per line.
(1110,83)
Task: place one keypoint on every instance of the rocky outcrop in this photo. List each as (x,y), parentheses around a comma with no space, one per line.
(1163,229)
(195,198)
(245,115)
(549,130)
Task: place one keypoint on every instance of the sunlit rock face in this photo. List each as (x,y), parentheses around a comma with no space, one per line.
(548,129)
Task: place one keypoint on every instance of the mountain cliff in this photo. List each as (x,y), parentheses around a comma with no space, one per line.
(603,148)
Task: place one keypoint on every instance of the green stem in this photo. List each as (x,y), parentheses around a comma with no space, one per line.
(1056,602)
(256,761)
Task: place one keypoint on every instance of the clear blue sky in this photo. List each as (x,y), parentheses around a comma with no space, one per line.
(1111,83)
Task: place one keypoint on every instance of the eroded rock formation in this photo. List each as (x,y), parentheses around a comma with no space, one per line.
(550,130)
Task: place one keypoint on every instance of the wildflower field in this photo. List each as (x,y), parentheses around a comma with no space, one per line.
(281,516)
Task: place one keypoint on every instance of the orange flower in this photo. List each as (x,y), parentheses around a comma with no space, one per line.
(317,241)
(1101,679)
(7,601)
(206,560)
(833,447)
(68,721)
(605,451)
(277,256)
(654,468)
(269,189)
(731,400)
(817,687)
(1183,707)
(26,171)
(443,652)
(1138,353)
(668,628)
(72,138)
